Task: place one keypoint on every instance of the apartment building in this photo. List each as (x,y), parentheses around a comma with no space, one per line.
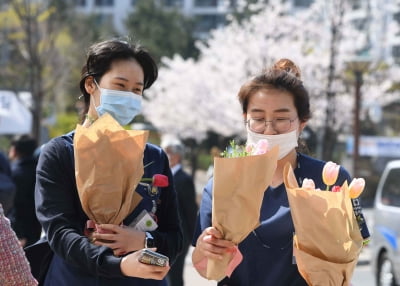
(209,14)
(372,17)
(378,19)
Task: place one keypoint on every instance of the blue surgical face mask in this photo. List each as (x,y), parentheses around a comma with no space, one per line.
(123,106)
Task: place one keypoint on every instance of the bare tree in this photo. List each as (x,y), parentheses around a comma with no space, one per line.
(329,138)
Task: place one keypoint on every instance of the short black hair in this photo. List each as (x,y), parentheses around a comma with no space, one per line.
(101,55)
(24,145)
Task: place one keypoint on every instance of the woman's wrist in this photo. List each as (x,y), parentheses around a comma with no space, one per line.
(197,256)
(199,262)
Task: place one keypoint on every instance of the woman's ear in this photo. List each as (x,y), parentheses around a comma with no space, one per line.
(302,125)
(244,117)
(90,85)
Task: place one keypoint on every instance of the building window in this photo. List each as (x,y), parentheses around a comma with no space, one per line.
(81,3)
(356,4)
(396,17)
(302,3)
(396,53)
(104,2)
(206,3)
(103,19)
(205,23)
(360,23)
(173,3)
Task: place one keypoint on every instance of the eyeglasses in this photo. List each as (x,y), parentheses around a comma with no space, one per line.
(280,125)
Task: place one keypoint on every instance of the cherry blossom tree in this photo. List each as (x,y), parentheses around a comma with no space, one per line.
(193,97)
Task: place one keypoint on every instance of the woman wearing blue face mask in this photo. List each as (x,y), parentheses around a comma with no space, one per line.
(113,80)
(275,107)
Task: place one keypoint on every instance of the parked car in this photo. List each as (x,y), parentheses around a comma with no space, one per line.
(385,243)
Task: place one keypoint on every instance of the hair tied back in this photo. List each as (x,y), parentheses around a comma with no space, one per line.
(287,66)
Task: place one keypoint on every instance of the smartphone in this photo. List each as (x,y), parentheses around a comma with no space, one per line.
(154,258)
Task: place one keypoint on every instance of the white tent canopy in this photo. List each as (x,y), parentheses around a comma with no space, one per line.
(15,117)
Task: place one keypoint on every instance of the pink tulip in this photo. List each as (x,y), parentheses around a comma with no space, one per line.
(308,184)
(249,148)
(356,187)
(336,189)
(330,173)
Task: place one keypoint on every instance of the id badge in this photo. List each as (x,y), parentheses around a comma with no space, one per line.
(144,222)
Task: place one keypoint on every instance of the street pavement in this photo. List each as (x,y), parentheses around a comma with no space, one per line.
(191,277)
(363,274)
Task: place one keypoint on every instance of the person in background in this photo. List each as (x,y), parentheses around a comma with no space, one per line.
(14,267)
(187,205)
(214,152)
(275,107)
(7,186)
(113,79)
(23,173)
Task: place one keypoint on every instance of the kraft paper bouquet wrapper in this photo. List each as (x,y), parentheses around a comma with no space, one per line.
(327,240)
(238,190)
(108,168)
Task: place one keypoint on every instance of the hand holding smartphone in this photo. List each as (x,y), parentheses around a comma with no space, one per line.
(148,256)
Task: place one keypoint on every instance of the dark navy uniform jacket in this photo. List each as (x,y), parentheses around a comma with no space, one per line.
(76,261)
(268,250)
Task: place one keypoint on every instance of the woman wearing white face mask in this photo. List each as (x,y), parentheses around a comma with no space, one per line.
(113,79)
(276,107)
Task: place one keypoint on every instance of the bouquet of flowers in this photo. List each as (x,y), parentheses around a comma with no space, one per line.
(327,240)
(241,177)
(108,168)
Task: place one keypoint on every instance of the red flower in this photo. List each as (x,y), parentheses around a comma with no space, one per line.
(336,189)
(158,180)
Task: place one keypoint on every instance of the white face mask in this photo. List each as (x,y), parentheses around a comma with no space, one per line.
(286,142)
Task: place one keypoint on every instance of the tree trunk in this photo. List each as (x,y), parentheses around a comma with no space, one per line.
(329,135)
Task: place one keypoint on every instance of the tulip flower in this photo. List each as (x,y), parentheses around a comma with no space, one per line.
(356,187)
(235,151)
(330,174)
(336,189)
(249,148)
(261,147)
(308,184)
(158,180)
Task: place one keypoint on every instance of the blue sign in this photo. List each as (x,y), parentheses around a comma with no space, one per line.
(376,146)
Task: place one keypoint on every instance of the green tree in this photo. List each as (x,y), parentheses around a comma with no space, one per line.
(245,9)
(43,45)
(163,31)
(84,30)
(33,36)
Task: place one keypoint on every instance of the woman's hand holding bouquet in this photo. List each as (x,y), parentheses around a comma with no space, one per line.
(240,179)
(120,238)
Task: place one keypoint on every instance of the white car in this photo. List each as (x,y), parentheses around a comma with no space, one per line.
(385,242)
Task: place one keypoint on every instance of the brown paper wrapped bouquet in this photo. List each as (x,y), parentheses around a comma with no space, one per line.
(240,180)
(108,168)
(327,240)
